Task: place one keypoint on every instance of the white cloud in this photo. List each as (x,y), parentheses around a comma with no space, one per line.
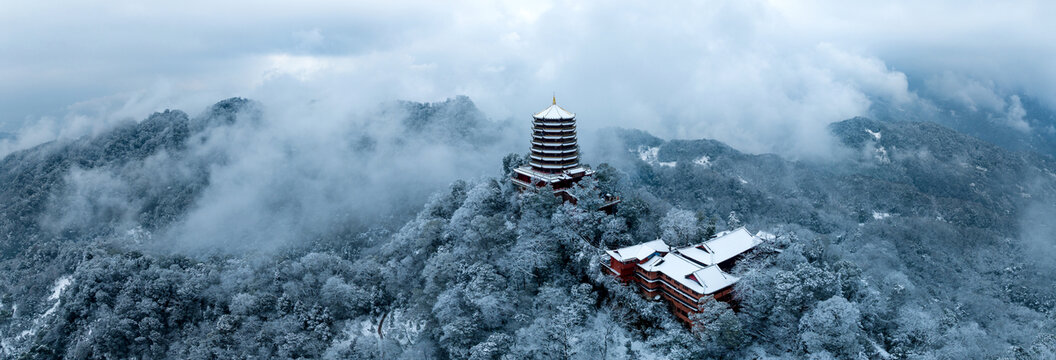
(1017,114)
(760,75)
(965,91)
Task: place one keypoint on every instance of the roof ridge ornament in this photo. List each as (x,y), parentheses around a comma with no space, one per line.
(555,99)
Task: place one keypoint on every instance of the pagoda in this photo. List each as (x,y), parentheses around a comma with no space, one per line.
(554,160)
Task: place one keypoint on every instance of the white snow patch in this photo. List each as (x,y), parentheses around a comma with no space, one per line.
(644,351)
(880,215)
(397,326)
(876,135)
(880,350)
(61,284)
(139,235)
(7,344)
(881,155)
(6,348)
(980,168)
(649,155)
(343,340)
(704,161)
(741,179)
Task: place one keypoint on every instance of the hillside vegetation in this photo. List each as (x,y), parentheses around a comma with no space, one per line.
(166,238)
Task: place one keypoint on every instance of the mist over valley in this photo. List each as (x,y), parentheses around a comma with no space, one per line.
(729,180)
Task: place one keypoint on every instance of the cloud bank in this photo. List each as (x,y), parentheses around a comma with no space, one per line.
(762,76)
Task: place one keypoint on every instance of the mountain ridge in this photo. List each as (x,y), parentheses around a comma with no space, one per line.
(919,234)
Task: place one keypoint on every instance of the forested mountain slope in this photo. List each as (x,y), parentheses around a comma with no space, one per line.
(163,238)
(953,226)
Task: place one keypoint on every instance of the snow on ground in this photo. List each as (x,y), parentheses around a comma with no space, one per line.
(649,155)
(880,215)
(397,326)
(60,285)
(881,155)
(6,348)
(880,350)
(876,135)
(343,340)
(704,161)
(643,350)
(7,345)
(56,291)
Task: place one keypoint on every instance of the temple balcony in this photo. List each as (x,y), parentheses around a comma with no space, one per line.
(553,137)
(543,165)
(546,151)
(551,127)
(563,159)
(554,122)
(555,143)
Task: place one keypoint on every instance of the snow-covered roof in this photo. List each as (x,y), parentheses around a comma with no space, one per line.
(701,279)
(554,112)
(639,252)
(713,279)
(695,267)
(651,263)
(724,247)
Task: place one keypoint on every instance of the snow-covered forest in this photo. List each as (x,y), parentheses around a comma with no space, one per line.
(917,242)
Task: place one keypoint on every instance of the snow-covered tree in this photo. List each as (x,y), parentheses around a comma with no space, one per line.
(680,227)
(832,326)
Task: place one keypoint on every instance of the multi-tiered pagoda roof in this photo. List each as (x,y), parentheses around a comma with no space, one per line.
(554,145)
(554,160)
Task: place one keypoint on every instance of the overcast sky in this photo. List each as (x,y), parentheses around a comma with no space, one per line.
(762,76)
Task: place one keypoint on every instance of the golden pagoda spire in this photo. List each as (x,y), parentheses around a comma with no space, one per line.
(555,99)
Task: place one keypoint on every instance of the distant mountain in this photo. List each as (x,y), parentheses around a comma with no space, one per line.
(916,160)
(30,178)
(455,121)
(35,179)
(1024,125)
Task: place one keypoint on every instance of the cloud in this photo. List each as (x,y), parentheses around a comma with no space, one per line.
(305,169)
(970,93)
(301,171)
(1016,115)
(1037,234)
(762,76)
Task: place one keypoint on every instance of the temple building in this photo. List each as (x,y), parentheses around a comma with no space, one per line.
(685,277)
(554,158)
